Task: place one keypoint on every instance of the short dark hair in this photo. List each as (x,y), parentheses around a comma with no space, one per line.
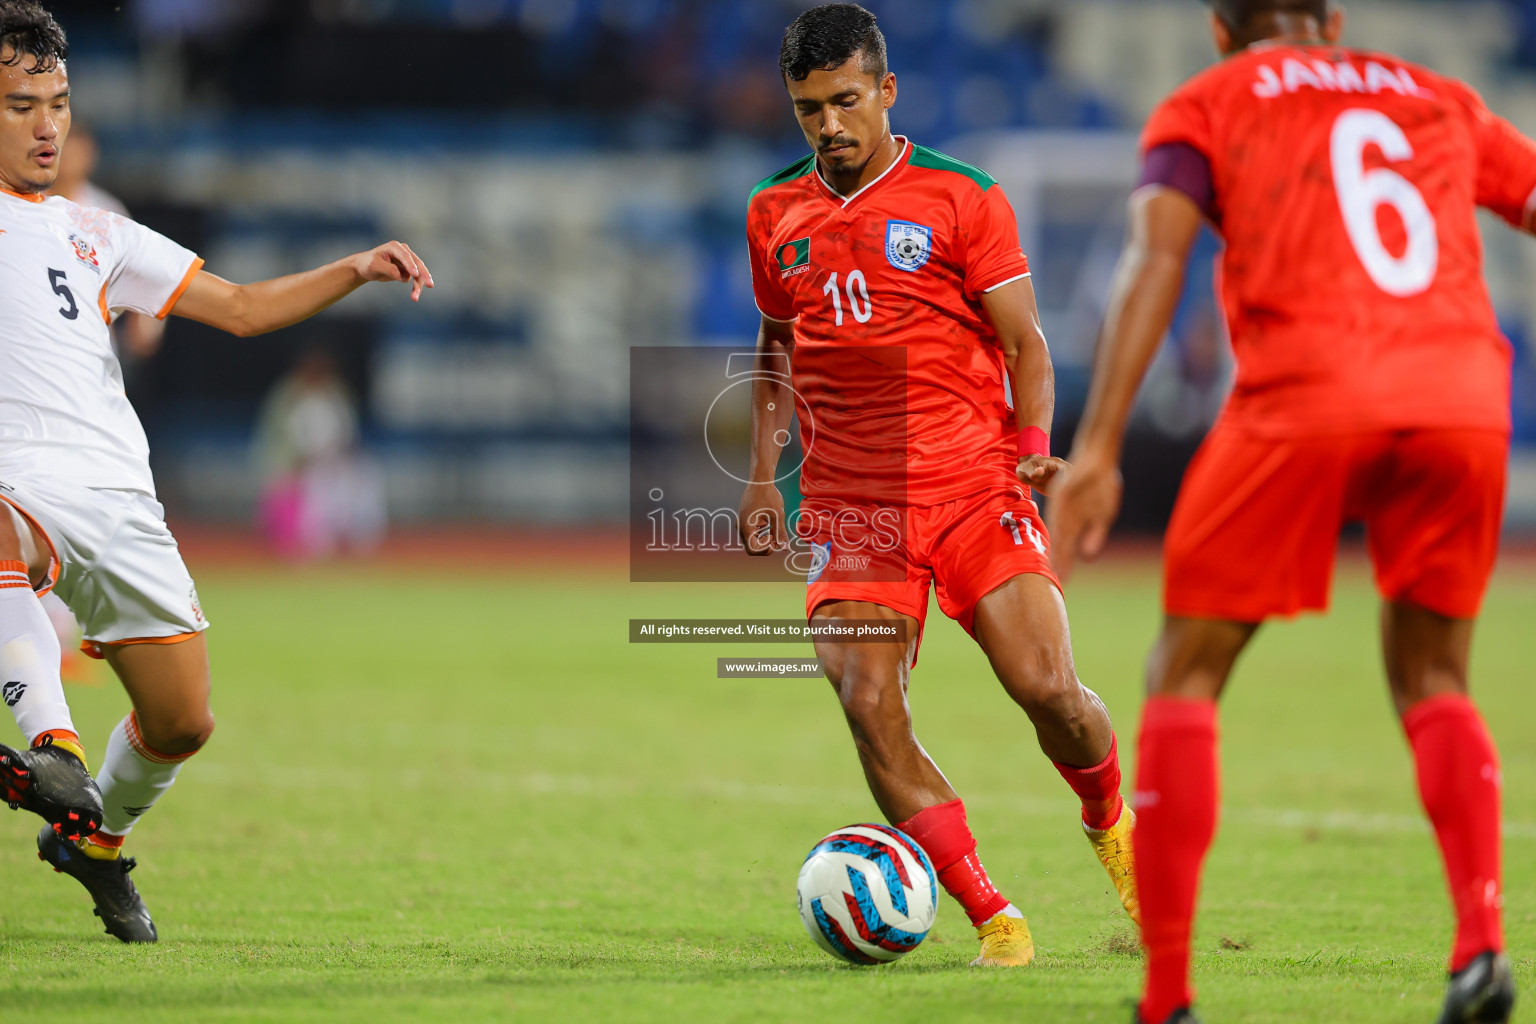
(1239,13)
(28,30)
(827,37)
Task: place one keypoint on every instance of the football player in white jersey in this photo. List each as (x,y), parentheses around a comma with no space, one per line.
(77,503)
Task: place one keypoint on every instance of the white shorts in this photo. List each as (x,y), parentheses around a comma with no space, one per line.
(115,563)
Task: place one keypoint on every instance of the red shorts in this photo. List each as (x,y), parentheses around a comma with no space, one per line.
(969,547)
(1257,522)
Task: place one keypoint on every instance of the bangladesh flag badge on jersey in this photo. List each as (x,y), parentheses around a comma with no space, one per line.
(794,257)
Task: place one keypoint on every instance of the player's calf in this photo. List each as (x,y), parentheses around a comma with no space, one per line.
(1458,773)
(870,682)
(1022,627)
(171,721)
(134,776)
(914,795)
(1068,717)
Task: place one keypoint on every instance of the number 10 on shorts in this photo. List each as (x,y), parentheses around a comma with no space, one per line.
(1022,528)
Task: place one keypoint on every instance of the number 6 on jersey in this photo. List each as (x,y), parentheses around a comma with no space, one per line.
(1362,193)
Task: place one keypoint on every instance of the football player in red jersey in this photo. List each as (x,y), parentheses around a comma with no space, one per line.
(1372,384)
(891,282)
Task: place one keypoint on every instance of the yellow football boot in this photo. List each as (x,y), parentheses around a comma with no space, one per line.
(1005,942)
(1113,846)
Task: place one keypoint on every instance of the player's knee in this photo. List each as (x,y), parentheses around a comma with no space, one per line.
(1052,691)
(1421,682)
(1193,658)
(864,699)
(1174,673)
(872,702)
(834,661)
(185,732)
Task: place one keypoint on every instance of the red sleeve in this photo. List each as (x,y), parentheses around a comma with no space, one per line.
(1181,118)
(992,254)
(773,301)
(1506,163)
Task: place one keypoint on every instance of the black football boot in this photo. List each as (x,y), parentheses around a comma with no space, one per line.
(1483,992)
(1183,1015)
(51,782)
(118,903)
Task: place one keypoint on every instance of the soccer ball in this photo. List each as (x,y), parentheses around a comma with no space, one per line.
(868,894)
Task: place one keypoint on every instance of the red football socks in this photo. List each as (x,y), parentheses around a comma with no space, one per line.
(1098,788)
(1176,793)
(1459,782)
(943,834)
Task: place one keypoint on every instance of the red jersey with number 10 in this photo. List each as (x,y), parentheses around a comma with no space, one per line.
(895,360)
(1345,186)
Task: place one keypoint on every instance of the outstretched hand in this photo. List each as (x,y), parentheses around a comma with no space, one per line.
(1040,472)
(394,261)
(1082,511)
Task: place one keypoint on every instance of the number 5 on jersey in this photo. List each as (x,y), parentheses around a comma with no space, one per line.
(862,315)
(57,279)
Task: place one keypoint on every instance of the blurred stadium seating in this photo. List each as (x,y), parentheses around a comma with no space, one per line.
(575,172)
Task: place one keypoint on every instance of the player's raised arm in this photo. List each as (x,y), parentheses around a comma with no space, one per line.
(773,405)
(1164,224)
(1016,319)
(246,310)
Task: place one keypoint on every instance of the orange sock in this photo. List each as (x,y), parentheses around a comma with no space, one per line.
(64,739)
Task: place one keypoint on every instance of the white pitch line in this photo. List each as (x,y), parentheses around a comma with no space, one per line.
(1351,821)
(600,787)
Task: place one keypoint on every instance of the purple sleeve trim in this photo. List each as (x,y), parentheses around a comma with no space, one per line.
(1178,165)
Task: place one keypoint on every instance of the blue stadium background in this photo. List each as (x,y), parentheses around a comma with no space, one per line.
(575,172)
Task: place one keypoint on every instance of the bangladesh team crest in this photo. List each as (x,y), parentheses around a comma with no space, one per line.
(821,557)
(908,245)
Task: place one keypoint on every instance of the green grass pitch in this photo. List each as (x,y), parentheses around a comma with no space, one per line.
(470,799)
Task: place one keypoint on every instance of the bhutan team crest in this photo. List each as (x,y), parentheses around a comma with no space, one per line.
(907,245)
(85,252)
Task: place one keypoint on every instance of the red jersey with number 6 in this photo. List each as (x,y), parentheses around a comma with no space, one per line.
(1346,184)
(898,373)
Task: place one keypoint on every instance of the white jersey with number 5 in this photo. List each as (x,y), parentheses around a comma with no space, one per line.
(65,272)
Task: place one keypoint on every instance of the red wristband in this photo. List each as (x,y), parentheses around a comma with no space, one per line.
(1034,441)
